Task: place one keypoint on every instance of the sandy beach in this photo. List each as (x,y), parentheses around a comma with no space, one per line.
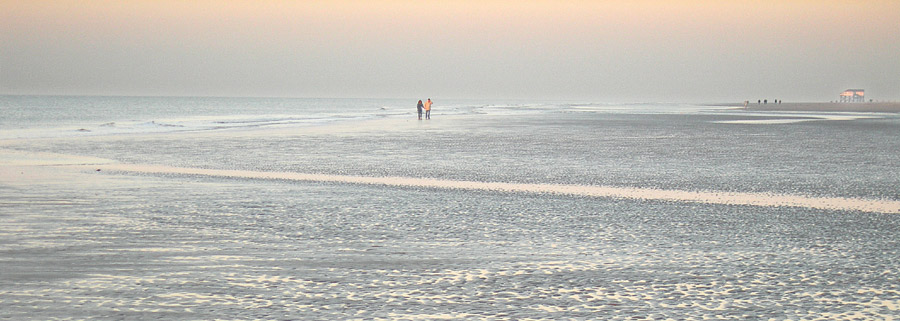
(540,212)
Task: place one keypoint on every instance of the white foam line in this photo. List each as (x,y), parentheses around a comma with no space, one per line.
(707,197)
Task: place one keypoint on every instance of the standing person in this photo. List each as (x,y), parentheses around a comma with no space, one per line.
(428,109)
(419,107)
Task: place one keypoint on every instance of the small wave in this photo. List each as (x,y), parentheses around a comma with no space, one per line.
(154,123)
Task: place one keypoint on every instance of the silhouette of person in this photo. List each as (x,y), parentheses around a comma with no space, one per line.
(419,107)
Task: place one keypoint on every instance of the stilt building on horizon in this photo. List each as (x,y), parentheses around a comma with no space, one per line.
(853,96)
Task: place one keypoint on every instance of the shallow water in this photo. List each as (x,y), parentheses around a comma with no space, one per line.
(76,243)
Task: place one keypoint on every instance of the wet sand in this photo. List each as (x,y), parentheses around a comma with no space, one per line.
(22,168)
(497,220)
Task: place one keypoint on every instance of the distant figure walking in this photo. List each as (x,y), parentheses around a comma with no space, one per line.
(428,109)
(419,107)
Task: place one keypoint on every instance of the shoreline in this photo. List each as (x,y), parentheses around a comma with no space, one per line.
(882,107)
(342,127)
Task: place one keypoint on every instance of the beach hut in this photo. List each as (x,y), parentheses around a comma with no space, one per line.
(853,96)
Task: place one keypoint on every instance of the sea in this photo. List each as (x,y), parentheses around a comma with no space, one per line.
(205,208)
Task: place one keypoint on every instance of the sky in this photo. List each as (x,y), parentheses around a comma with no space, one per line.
(602,51)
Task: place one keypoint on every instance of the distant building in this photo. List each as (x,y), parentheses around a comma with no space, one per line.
(853,96)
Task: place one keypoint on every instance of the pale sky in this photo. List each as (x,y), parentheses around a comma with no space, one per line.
(604,51)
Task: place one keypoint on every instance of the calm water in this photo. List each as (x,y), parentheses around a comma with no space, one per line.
(76,243)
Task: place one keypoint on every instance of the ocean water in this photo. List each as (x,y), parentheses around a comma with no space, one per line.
(352,209)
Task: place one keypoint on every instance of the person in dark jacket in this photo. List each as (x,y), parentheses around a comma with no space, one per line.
(419,107)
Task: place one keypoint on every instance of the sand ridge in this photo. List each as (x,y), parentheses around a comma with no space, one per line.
(706,197)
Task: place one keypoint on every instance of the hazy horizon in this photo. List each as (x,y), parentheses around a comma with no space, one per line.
(668,51)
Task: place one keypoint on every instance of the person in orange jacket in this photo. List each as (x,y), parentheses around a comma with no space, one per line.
(428,109)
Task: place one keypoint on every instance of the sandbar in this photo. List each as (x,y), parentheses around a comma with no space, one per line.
(875,107)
